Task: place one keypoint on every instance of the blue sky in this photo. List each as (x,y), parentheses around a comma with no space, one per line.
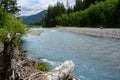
(30,7)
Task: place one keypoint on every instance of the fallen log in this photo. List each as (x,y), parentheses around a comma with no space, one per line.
(28,72)
(18,67)
(59,73)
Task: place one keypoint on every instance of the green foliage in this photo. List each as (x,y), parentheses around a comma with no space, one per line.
(42,66)
(2,17)
(10,24)
(118,8)
(78,5)
(10,6)
(87,3)
(52,12)
(14,25)
(89,14)
(3,33)
(34,26)
(65,79)
(69,10)
(104,13)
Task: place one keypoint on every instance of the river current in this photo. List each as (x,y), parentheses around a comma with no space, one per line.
(95,58)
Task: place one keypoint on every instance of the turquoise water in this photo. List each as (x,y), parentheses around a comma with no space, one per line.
(96,58)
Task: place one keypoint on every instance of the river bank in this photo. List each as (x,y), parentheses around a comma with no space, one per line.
(95,58)
(100,32)
(35,31)
(24,69)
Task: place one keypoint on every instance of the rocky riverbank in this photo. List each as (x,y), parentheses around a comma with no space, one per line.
(100,32)
(22,68)
(35,31)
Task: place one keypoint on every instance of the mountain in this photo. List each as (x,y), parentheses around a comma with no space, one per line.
(33,18)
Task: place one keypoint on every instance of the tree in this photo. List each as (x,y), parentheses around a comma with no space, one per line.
(10,25)
(117,11)
(78,5)
(105,14)
(52,13)
(87,3)
(118,8)
(69,10)
(2,17)
(10,6)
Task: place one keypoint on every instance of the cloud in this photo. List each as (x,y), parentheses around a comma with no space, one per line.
(29,7)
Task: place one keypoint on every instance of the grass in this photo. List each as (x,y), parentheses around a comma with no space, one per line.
(65,79)
(42,66)
(45,67)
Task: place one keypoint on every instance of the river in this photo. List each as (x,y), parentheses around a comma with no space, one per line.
(96,58)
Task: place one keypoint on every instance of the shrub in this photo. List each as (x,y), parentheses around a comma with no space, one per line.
(42,66)
(10,24)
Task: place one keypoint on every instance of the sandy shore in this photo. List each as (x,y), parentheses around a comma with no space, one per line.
(105,32)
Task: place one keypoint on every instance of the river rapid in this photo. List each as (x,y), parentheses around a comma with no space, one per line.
(96,58)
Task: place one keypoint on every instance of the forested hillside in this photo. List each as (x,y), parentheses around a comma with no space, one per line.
(53,11)
(87,13)
(33,19)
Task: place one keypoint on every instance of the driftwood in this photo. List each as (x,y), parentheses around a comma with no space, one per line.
(17,67)
(59,73)
(23,67)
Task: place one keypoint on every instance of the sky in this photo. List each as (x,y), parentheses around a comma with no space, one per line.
(30,7)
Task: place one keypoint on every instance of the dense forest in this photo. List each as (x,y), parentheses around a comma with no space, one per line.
(9,24)
(85,13)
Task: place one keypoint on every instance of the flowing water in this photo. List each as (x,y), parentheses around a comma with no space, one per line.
(96,58)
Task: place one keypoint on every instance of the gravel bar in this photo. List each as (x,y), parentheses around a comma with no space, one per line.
(104,32)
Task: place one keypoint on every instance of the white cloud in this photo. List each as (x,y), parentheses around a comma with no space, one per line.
(29,7)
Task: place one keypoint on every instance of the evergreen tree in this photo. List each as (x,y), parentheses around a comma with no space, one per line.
(87,3)
(118,13)
(78,5)
(10,6)
(52,12)
(105,14)
(69,10)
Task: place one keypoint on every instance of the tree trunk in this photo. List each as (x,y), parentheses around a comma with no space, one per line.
(8,53)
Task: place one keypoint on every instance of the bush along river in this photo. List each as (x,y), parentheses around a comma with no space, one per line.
(96,58)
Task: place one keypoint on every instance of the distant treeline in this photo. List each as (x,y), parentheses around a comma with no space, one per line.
(91,13)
